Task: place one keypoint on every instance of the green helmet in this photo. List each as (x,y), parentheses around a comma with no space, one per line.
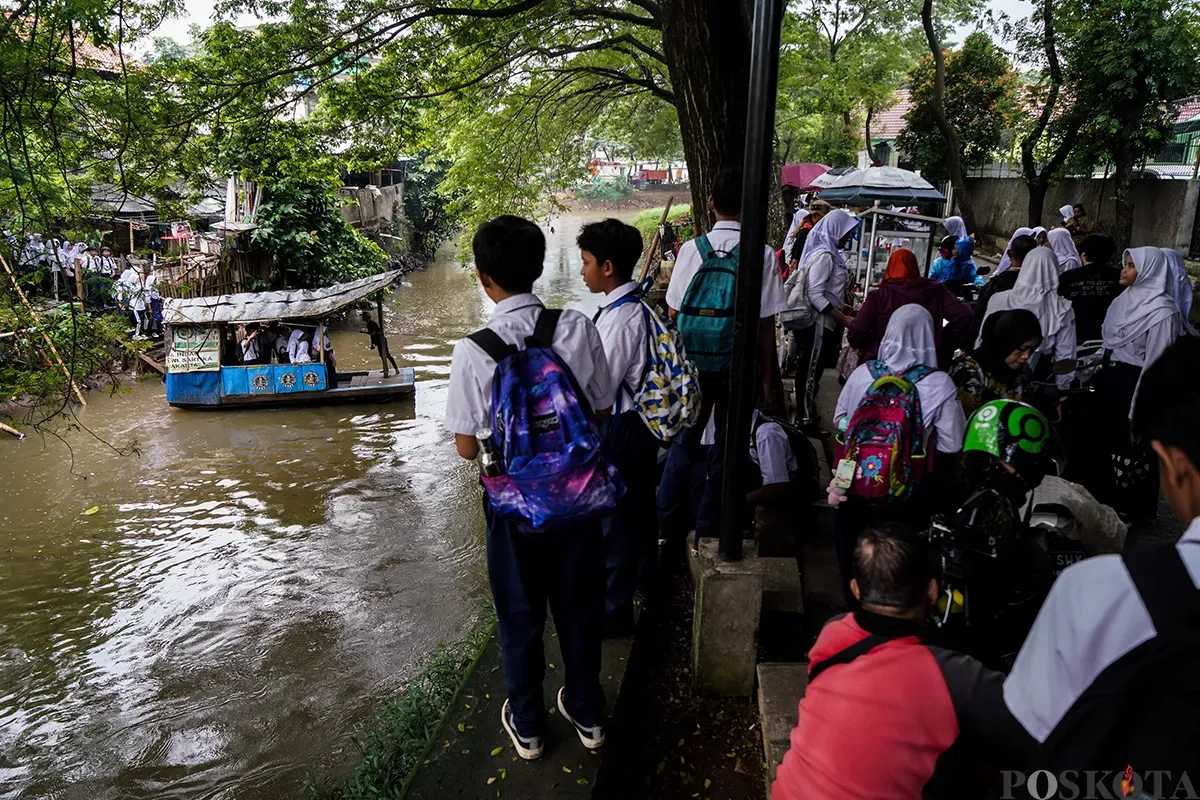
(1017,434)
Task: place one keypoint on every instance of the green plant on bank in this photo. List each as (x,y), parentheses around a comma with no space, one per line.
(89,344)
(392,745)
(647,222)
(610,193)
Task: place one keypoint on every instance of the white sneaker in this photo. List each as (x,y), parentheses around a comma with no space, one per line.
(591,736)
(528,749)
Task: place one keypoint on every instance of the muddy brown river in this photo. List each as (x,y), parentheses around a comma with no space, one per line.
(254,581)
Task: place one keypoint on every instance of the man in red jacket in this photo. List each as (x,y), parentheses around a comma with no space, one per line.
(886,714)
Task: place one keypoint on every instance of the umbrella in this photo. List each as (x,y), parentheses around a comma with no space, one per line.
(801,175)
(885,184)
(832,176)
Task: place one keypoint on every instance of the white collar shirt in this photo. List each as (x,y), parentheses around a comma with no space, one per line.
(826,285)
(725,236)
(622,329)
(770,449)
(1092,617)
(576,341)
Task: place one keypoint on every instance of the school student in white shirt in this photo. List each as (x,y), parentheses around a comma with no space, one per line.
(675,511)
(610,250)
(564,566)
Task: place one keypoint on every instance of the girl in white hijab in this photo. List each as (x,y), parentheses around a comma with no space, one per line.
(1181,288)
(1063,245)
(1036,289)
(1039,235)
(955,227)
(1067,212)
(907,342)
(817,347)
(1141,323)
(1005,261)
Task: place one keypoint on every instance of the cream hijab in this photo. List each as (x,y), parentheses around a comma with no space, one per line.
(1063,245)
(1145,304)
(825,236)
(1036,290)
(1005,261)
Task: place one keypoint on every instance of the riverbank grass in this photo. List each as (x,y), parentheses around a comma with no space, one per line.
(647,221)
(394,742)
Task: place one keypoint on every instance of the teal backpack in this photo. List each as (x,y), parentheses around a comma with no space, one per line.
(706,318)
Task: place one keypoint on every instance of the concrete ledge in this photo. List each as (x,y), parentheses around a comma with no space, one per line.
(780,687)
(728,603)
(783,590)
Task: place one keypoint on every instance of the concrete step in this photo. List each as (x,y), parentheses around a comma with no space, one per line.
(783,591)
(780,687)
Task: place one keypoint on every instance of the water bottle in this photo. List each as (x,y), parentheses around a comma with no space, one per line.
(489,460)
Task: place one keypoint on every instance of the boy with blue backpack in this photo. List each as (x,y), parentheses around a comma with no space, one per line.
(525,394)
(610,251)
(700,299)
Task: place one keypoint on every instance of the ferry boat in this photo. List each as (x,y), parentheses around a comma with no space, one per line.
(204,365)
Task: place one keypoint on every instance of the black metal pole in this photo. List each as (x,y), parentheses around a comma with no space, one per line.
(756,186)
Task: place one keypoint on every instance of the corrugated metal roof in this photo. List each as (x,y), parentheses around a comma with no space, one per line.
(267,306)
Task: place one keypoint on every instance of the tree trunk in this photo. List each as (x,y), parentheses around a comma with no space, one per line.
(1037,198)
(867,135)
(1122,231)
(707,46)
(953,146)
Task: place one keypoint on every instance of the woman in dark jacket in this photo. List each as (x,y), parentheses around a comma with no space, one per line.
(902,284)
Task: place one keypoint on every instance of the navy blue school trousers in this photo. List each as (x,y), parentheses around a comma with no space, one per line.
(678,509)
(631,533)
(563,567)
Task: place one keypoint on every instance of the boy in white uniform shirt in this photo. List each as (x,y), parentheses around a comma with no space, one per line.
(674,509)
(525,568)
(610,252)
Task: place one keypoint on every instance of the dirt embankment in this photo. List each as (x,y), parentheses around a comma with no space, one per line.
(648,197)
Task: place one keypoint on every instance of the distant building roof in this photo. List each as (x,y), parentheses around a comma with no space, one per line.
(105,59)
(888,124)
(1189,110)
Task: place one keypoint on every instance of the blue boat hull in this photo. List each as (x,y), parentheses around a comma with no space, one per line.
(283,385)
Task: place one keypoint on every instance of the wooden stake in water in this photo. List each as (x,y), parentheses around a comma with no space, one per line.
(38,321)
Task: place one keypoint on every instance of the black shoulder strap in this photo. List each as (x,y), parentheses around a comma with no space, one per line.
(1165,585)
(543,331)
(491,343)
(864,645)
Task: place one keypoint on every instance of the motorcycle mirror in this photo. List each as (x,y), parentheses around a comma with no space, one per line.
(1064,367)
(982,270)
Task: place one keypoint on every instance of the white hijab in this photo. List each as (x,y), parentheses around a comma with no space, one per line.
(1037,231)
(1005,261)
(825,236)
(1067,212)
(1145,304)
(907,342)
(1063,245)
(1036,290)
(1181,287)
(955,227)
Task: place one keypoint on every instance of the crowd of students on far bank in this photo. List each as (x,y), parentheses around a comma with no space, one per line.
(562,412)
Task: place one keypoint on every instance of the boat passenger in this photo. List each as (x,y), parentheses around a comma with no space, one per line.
(253,344)
(298,346)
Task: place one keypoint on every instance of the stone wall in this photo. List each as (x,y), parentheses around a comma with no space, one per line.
(1164,210)
(374,204)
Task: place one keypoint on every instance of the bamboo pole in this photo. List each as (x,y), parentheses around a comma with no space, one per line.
(38,320)
(13,431)
(654,239)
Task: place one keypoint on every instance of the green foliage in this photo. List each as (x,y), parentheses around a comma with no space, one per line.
(300,225)
(391,745)
(427,206)
(1128,63)
(979,101)
(609,193)
(647,222)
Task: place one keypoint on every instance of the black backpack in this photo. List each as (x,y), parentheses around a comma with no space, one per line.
(1143,710)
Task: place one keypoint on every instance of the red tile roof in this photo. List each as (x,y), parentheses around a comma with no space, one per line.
(888,124)
(1188,110)
(105,59)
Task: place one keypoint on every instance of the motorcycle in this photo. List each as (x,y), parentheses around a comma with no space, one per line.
(996,570)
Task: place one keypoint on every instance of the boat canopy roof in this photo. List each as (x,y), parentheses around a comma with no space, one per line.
(269,306)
